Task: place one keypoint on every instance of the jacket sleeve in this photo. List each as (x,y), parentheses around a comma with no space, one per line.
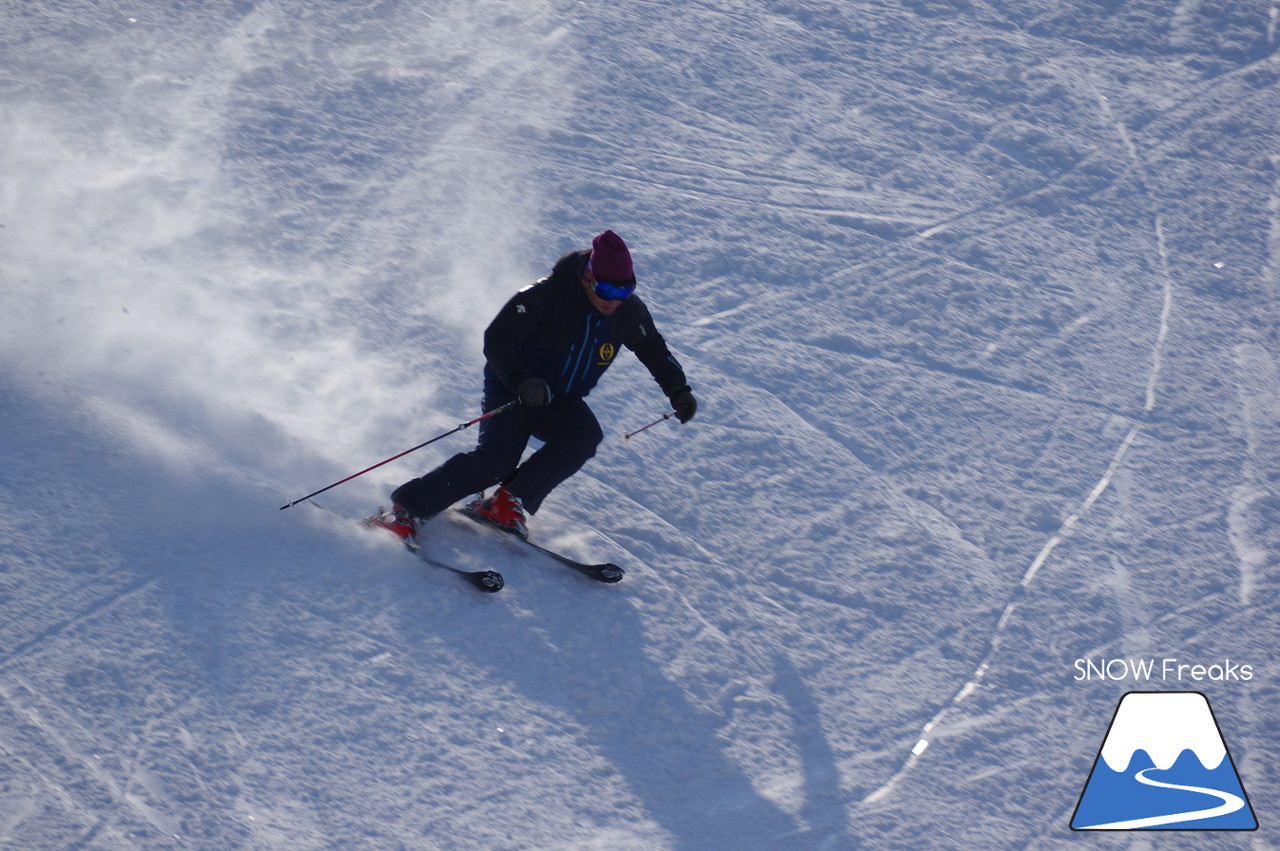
(651,348)
(514,323)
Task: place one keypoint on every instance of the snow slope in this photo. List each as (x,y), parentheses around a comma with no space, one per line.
(979,298)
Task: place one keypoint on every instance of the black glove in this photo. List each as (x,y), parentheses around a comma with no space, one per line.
(534,392)
(684,404)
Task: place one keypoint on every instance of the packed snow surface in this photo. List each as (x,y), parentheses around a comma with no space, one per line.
(979,299)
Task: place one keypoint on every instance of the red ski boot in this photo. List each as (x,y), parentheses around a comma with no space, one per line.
(398,522)
(504,511)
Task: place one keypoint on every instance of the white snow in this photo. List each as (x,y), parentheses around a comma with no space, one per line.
(979,300)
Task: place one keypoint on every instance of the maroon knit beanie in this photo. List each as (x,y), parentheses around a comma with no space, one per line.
(610,259)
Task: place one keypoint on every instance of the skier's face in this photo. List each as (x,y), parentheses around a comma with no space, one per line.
(605,306)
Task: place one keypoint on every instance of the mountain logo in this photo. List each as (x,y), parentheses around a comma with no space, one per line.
(1164,765)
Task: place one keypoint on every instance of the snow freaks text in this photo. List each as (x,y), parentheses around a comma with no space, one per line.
(1166,669)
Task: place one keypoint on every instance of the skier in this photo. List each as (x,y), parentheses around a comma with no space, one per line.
(546,348)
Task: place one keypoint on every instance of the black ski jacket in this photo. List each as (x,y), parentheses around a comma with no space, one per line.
(550,330)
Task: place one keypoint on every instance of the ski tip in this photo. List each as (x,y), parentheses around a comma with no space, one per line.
(488,580)
(610,572)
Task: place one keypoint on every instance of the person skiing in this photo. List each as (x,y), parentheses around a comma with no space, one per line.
(546,349)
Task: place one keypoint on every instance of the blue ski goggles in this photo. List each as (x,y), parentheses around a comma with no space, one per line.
(610,291)
(614,292)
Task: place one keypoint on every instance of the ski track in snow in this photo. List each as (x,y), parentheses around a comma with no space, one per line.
(1042,557)
(1259,379)
(1250,557)
(48,729)
(98,607)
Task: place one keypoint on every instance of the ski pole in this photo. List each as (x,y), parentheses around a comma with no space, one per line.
(459,428)
(630,434)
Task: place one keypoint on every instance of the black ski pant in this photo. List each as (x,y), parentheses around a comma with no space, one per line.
(569,433)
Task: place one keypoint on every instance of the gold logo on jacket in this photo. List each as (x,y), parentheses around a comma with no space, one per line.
(607,351)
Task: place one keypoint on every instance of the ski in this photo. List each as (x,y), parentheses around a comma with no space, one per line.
(485,580)
(605,572)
